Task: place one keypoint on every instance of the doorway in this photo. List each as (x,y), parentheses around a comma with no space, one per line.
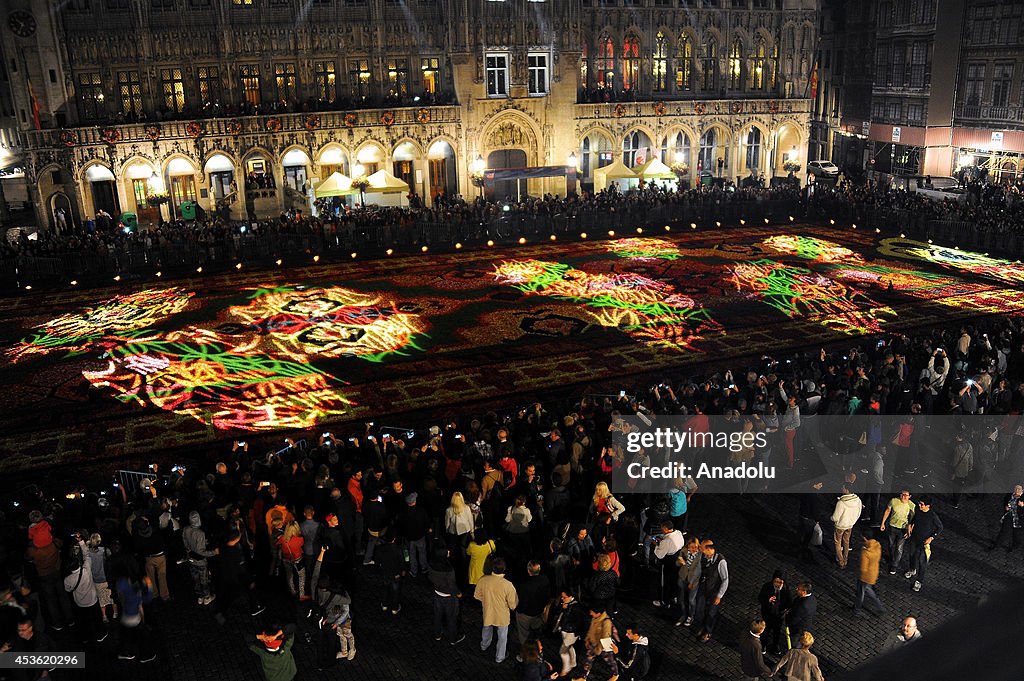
(183,188)
(104,195)
(502,190)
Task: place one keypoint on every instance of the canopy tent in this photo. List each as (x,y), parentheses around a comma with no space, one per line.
(335,185)
(611,173)
(383,182)
(654,169)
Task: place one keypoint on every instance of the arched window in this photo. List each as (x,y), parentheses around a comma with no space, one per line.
(684,63)
(584,64)
(676,149)
(707,151)
(760,63)
(605,62)
(631,62)
(634,148)
(595,152)
(736,66)
(753,152)
(659,65)
(711,66)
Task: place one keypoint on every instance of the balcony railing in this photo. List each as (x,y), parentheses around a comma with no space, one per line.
(706,107)
(246,125)
(1004,114)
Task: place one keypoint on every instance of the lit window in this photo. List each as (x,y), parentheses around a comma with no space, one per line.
(497,75)
(538,66)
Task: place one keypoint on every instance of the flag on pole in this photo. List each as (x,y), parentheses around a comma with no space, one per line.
(34,104)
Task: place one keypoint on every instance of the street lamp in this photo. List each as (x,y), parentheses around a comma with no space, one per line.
(476,169)
(572,163)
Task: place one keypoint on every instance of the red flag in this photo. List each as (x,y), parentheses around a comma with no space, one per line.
(814,81)
(34,102)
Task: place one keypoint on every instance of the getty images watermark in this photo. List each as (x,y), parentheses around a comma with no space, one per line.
(676,442)
(870,454)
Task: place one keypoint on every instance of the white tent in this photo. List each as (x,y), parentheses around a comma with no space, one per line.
(654,169)
(384,182)
(386,190)
(616,172)
(335,185)
(656,172)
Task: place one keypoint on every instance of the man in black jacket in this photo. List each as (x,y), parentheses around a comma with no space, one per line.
(446,597)
(751,657)
(375,515)
(800,617)
(29,641)
(413,526)
(635,664)
(534,593)
(775,599)
(389,556)
(925,527)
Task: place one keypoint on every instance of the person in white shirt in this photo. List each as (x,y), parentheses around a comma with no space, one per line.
(666,548)
(79,583)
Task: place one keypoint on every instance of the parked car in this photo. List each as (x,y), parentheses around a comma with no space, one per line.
(823,168)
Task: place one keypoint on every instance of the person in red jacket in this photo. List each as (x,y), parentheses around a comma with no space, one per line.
(291,543)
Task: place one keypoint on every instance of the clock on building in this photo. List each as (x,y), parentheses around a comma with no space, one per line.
(21,23)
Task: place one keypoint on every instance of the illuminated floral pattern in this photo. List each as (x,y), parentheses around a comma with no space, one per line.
(797,291)
(642,307)
(121,314)
(220,387)
(810,248)
(970,262)
(300,324)
(645,249)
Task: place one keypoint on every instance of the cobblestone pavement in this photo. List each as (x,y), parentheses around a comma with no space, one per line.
(751,531)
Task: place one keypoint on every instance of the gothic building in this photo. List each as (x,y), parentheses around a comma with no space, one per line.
(243,105)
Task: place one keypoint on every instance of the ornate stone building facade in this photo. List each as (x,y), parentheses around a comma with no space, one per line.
(242,105)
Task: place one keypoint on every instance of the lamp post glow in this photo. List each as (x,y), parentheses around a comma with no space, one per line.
(476,171)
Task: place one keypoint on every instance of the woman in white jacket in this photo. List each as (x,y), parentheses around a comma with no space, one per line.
(604,502)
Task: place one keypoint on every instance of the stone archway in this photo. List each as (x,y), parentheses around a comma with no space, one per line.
(510,141)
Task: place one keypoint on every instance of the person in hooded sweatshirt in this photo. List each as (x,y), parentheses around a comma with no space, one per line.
(274,648)
(635,659)
(197,553)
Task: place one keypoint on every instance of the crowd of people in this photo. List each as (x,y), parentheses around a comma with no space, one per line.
(986,206)
(989,207)
(512,514)
(103,234)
